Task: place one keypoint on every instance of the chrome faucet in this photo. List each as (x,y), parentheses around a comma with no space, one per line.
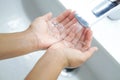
(110,8)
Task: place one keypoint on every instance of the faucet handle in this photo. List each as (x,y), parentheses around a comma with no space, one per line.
(114,15)
(118,1)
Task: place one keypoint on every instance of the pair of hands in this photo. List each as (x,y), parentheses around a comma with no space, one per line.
(64,35)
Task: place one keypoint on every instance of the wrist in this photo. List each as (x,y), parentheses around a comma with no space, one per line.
(59,54)
(31,40)
(49,66)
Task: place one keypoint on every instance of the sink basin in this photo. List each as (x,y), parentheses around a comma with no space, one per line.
(16,15)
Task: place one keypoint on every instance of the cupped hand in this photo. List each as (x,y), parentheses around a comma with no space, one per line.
(48,30)
(76,46)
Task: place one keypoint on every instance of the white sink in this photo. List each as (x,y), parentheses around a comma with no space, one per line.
(16,15)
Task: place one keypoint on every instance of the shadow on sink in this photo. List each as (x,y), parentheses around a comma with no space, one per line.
(101,66)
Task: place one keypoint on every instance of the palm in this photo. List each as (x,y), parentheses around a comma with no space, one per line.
(77,46)
(47,33)
(80,40)
(44,35)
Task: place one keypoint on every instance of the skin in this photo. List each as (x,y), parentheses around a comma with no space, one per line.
(69,52)
(36,37)
(66,47)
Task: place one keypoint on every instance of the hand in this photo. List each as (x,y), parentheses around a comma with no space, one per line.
(45,31)
(75,48)
(72,51)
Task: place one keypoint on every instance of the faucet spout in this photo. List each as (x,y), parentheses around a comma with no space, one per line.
(99,10)
(104,7)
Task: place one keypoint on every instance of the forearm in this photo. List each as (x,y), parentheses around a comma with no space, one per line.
(48,67)
(15,44)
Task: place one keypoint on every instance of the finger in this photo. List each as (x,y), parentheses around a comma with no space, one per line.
(62,28)
(71,35)
(90,52)
(62,16)
(47,16)
(68,18)
(66,32)
(77,37)
(88,39)
(83,41)
(73,21)
(78,46)
(83,34)
(72,15)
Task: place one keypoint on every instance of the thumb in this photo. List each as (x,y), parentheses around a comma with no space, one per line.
(47,16)
(90,51)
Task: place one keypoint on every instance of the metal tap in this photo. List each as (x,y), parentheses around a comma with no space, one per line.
(110,8)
